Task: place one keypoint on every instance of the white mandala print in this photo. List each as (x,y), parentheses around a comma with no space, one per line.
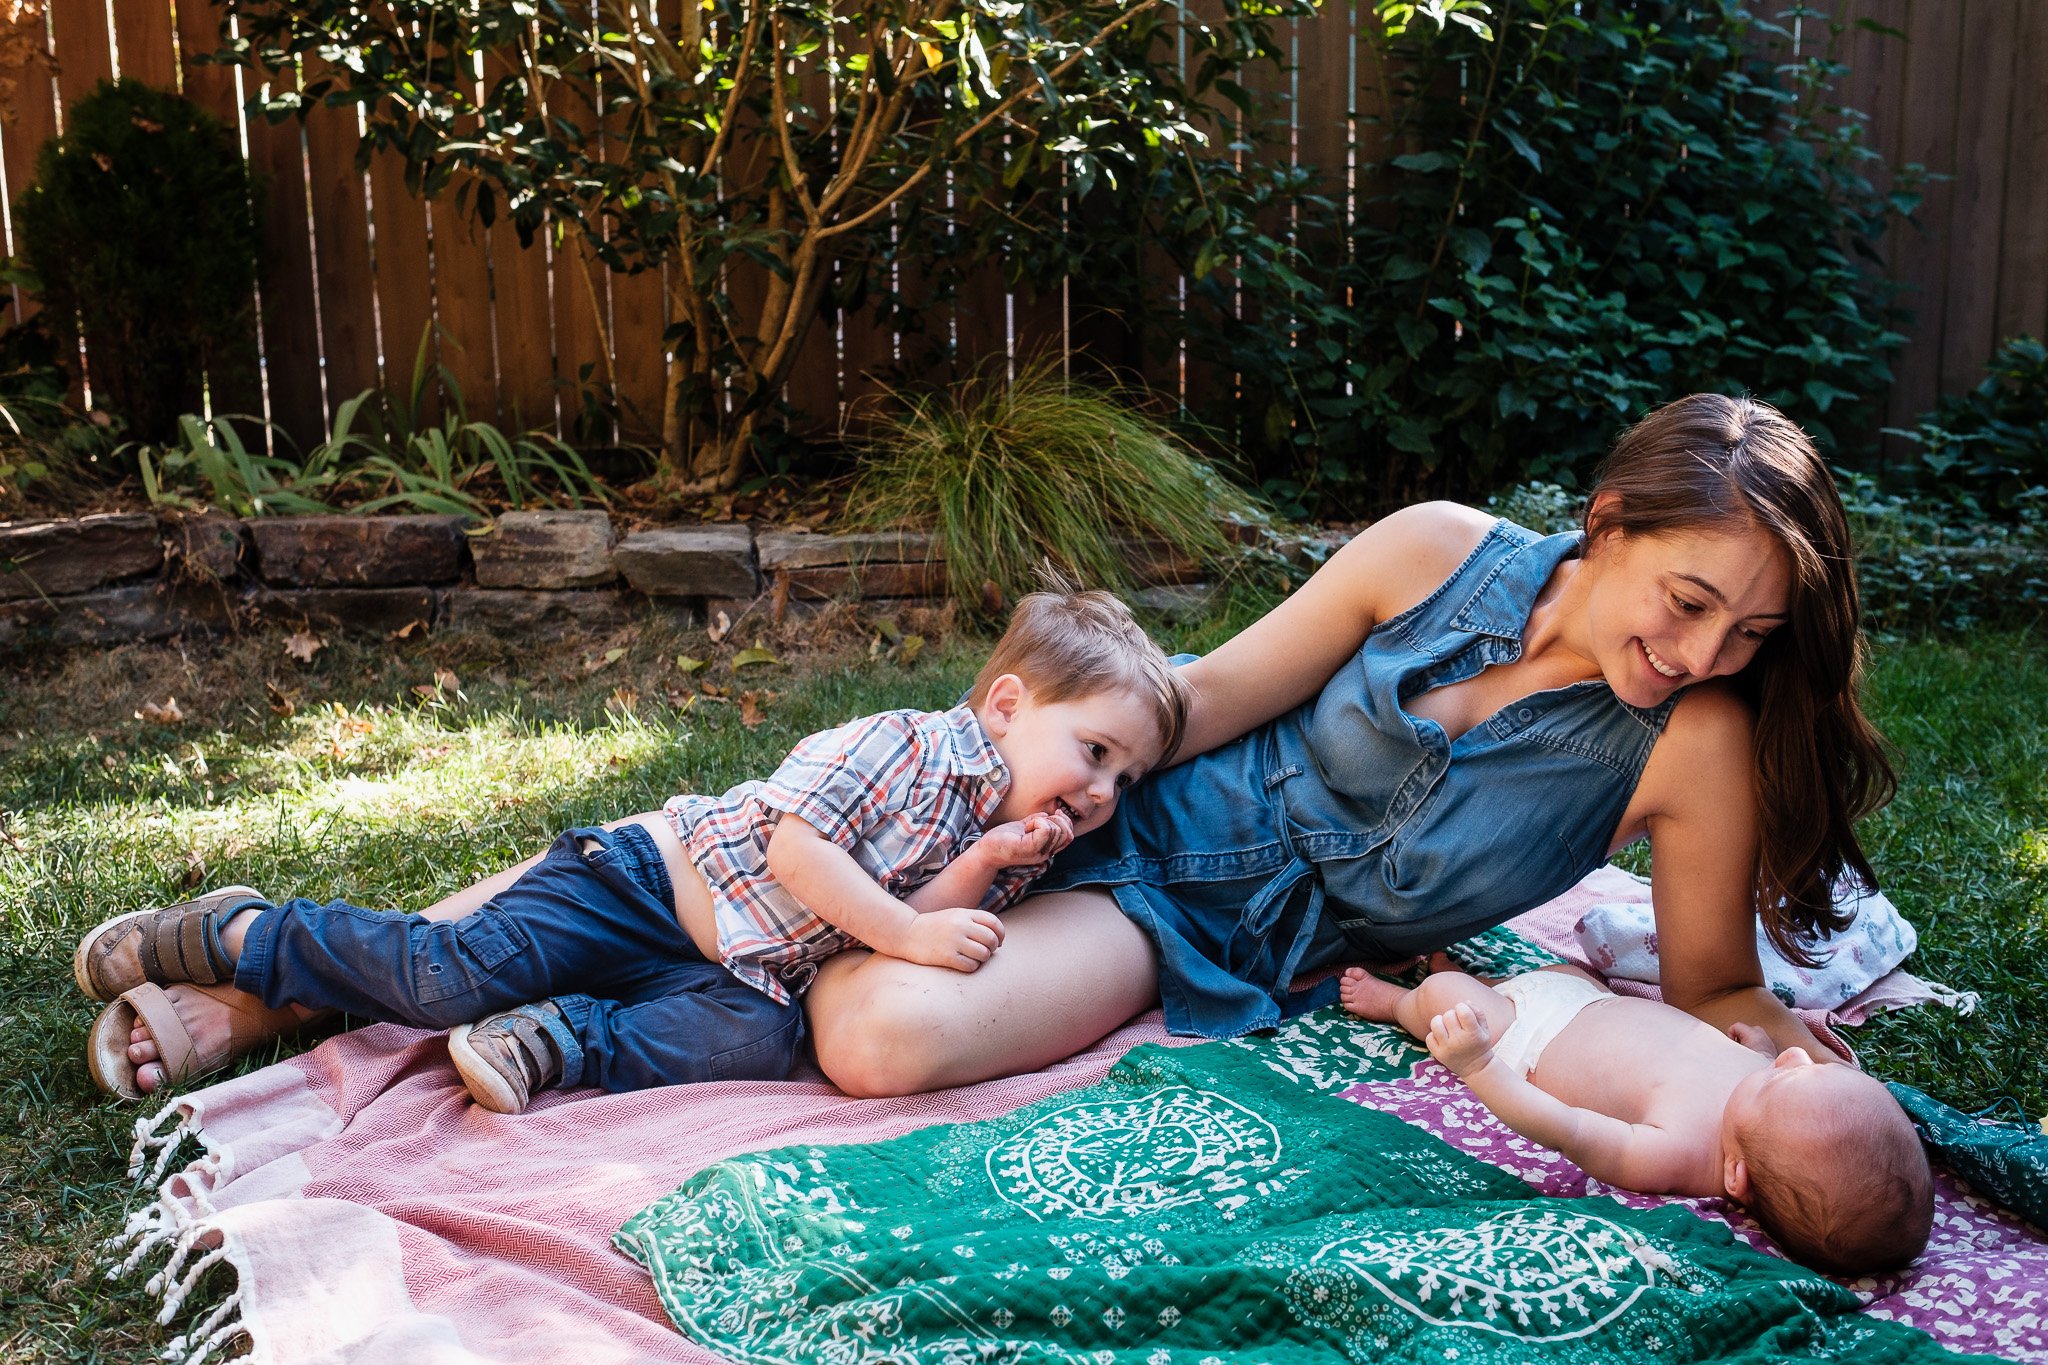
(1172,1148)
(1533,1275)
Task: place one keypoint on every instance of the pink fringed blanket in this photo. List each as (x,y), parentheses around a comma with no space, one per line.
(373,1215)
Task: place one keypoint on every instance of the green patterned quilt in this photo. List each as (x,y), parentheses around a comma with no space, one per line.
(1216,1203)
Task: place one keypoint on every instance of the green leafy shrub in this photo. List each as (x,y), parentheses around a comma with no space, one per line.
(139,227)
(1010,475)
(386,452)
(1988,448)
(1924,563)
(1588,209)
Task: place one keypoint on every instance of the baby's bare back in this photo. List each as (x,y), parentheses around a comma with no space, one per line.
(1645,1062)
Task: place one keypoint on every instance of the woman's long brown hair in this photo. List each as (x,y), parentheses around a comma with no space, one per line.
(1712,462)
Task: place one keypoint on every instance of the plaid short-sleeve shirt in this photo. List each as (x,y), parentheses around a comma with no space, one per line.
(904,792)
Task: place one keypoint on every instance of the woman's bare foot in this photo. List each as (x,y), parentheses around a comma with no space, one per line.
(205,1017)
(1369,996)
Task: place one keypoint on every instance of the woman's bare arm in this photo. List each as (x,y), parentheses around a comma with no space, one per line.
(1699,803)
(1284,658)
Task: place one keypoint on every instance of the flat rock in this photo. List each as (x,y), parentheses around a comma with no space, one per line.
(705,561)
(383,609)
(557,615)
(60,558)
(551,550)
(141,611)
(204,547)
(787,550)
(1155,563)
(825,582)
(1176,601)
(357,552)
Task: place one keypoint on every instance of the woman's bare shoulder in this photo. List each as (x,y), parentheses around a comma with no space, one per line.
(1415,549)
(1706,755)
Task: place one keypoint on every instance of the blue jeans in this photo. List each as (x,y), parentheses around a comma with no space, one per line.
(596,933)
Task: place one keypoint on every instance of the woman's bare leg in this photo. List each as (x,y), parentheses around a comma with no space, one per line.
(1071,969)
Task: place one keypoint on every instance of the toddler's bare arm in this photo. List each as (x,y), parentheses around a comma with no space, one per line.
(1019,843)
(833,887)
(1634,1156)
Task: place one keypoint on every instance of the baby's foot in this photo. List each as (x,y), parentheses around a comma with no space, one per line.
(1369,997)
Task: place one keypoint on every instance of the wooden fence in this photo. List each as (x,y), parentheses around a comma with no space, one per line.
(361,270)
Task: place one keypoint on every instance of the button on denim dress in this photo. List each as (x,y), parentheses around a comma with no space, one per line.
(1351,829)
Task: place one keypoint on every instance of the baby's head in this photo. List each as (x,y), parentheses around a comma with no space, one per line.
(1829,1164)
(1079,702)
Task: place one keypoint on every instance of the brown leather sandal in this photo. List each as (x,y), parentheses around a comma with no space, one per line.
(250,1025)
(178,944)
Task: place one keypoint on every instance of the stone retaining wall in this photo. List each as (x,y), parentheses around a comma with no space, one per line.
(128,576)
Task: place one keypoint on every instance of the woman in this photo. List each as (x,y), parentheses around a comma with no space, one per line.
(1452,721)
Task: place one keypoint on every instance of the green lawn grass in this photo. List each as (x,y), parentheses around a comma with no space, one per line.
(391,789)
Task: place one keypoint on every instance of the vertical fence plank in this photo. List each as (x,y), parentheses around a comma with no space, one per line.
(235,386)
(522,309)
(403,278)
(639,317)
(83,58)
(579,331)
(526,340)
(462,304)
(2023,253)
(341,241)
(142,32)
(1927,135)
(291,341)
(1983,121)
(21,142)
(79,39)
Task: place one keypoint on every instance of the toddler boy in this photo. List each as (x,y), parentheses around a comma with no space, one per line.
(673,946)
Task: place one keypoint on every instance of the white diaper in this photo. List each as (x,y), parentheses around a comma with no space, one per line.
(1544,1003)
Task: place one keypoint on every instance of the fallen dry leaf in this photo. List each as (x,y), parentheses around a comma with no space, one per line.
(408,630)
(426,690)
(720,628)
(445,679)
(750,709)
(686,663)
(282,703)
(167,714)
(303,645)
(622,699)
(195,870)
(7,834)
(747,658)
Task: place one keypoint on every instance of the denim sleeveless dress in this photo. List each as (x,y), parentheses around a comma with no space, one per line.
(1351,829)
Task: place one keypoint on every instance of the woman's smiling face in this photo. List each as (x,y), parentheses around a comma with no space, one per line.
(1675,608)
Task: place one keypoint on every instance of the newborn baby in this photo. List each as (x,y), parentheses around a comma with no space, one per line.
(1648,1098)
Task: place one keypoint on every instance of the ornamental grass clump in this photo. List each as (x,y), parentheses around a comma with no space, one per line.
(1039,469)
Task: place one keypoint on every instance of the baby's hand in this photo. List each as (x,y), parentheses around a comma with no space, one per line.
(961,938)
(1027,842)
(1460,1040)
(1753,1038)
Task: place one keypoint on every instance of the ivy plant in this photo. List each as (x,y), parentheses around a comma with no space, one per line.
(1579,210)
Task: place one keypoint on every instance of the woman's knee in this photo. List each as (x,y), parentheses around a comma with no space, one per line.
(887,1043)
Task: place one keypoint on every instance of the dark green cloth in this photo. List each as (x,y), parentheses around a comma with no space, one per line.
(1212,1205)
(2005,1161)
